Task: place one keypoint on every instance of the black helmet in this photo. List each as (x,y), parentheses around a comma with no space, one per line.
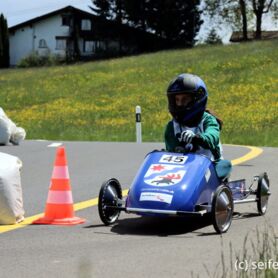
(193,85)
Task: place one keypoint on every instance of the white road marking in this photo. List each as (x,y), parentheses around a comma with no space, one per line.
(54,145)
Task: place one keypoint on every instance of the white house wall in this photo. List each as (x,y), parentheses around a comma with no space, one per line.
(20,44)
(26,39)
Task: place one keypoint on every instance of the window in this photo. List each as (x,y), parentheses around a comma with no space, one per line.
(65,20)
(89,46)
(61,44)
(100,45)
(86,24)
(42,43)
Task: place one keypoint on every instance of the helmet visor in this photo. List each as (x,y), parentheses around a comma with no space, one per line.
(184,100)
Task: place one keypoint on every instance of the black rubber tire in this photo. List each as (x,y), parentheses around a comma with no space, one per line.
(222,209)
(262,193)
(109,194)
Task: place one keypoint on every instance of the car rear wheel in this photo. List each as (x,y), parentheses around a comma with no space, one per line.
(222,209)
(262,193)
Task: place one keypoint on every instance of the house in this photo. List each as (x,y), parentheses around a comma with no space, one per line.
(74,33)
(266,35)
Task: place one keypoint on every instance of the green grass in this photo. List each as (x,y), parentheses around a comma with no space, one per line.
(96,100)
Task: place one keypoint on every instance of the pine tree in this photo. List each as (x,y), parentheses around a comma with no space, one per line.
(213,37)
(109,9)
(136,13)
(4,43)
(176,20)
(190,21)
(102,8)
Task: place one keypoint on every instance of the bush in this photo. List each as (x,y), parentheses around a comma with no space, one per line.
(35,60)
(213,38)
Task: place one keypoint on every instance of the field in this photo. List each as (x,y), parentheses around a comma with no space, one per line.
(96,101)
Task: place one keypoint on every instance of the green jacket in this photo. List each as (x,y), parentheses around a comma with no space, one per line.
(207,136)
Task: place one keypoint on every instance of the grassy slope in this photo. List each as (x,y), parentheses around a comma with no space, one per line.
(96,101)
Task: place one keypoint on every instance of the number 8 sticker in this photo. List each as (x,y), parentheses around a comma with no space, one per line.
(175,159)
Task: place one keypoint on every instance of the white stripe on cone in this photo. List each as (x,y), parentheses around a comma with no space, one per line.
(59,197)
(60,172)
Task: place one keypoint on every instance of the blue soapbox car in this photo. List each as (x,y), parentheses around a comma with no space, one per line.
(181,184)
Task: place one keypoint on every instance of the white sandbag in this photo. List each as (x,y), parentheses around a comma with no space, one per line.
(17,135)
(11,201)
(9,132)
(5,129)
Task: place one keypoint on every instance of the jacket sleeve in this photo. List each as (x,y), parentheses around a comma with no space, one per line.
(171,142)
(209,138)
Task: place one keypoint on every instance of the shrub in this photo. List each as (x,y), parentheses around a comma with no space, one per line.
(35,60)
(213,37)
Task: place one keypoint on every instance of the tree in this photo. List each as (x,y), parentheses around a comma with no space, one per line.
(4,43)
(118,10)
(242,6)
(240,12)
(190,20)
(260,7)
(102,8)
(233,12)
(136,13)
(109,9)
(213,37)
(175,20)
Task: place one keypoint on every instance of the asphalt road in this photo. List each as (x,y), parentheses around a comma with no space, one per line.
(135,246)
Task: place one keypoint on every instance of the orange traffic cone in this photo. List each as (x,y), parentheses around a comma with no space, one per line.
(59,205)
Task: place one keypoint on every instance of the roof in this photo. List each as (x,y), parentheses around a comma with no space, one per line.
(18,11)
(266,35)
(49,14)
(112,30)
